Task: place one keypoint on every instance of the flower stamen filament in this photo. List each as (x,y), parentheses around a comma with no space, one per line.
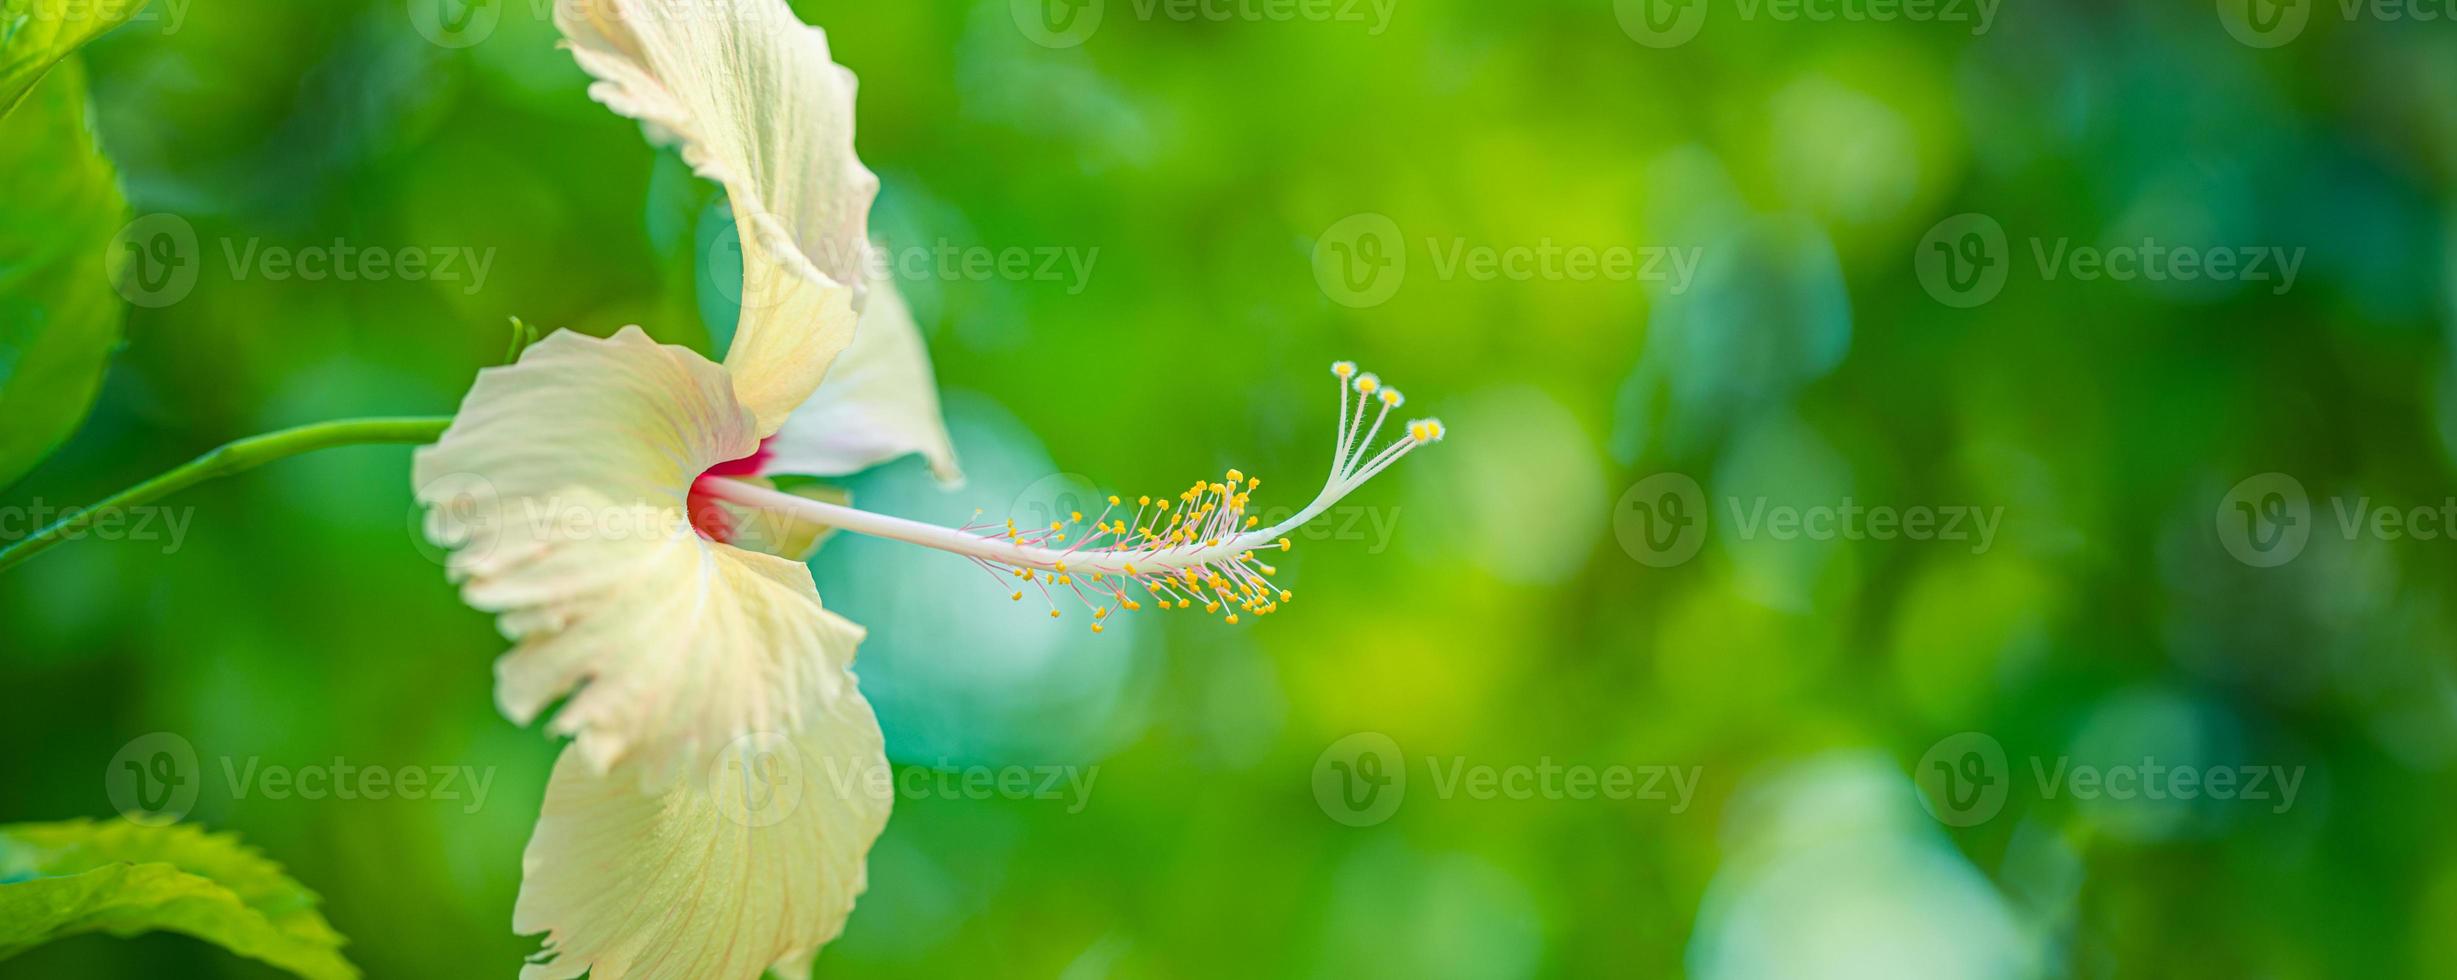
(1203,553)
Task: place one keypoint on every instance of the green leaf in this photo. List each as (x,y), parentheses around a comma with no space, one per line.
(123,878)
(60,315)
(37,34)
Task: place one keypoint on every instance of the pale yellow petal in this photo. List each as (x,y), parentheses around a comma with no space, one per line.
(756,103)
(755,860)
(879,403)
(559,493)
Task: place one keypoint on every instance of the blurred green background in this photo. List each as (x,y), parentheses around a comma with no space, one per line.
(1501,600)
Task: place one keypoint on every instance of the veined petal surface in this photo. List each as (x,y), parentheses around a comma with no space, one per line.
(754,863)
(559,495)
(756,103)
(879,403)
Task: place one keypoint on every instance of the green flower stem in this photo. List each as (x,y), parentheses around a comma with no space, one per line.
(234,457)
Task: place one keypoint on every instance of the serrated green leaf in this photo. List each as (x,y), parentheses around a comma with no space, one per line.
(62,879)
(60,315)
(37,34)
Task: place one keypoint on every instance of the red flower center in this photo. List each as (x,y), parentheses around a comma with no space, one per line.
(707,515)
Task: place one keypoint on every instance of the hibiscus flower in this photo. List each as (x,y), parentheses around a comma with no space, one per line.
(606,501)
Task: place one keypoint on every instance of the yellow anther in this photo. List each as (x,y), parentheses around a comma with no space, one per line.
(1100,614)
(1055,525)
(1132,605)
(1113,500)
(1062,566)
(1212,607)
(1183,603)
(1236,475)
(1130,568)
(1019,597)
(1074,516)
(1066,580)
(1143,501)
(1027,575)
(1286,595)
(1232,619)
(1096,627)
(1284,544)
(1251,521)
